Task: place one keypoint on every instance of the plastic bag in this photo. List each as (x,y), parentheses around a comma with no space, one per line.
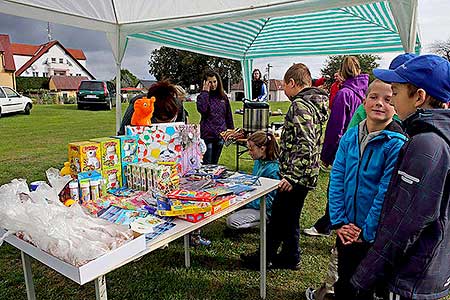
(67,233)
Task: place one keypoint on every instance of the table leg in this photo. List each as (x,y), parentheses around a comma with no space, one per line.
(262,244)
(237,156)
(100,288)
(26,263)
(187,252)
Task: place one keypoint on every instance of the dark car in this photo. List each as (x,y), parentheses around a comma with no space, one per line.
(96,93)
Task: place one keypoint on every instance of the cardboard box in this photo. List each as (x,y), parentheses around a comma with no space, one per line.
(128,148)
(194,218)
(84,156)
(112,177)
(109,152)
(88,271)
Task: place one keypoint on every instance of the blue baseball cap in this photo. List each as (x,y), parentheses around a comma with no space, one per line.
(400,60)
(428,72)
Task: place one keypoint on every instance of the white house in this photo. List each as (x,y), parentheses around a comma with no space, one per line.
(49,59)
(276,92)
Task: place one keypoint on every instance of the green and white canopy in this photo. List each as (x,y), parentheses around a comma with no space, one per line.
(238,29)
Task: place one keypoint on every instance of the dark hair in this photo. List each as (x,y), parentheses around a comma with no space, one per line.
(263,138)
(166,107)
(219,90)
(412,90)
(260,74)
(300,74)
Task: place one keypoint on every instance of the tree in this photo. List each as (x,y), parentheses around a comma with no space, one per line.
(127,79)
(441,48)
(368,62)
(187,68)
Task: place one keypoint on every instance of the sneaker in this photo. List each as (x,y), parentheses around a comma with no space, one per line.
(197,240)
(310,294)
(313,232)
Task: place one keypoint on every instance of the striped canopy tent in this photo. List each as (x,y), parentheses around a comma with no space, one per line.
(367,28)
(241,30)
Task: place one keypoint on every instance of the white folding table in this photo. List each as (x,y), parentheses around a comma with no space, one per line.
(182,228)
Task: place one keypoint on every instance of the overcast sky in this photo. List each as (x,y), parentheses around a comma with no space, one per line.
(434,24)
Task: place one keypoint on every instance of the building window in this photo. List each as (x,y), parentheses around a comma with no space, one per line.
(61,60)
(78,74)
(53,59)
(45,74)
(35,74)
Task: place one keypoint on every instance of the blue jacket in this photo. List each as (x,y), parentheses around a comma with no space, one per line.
(269,169)
(359,181)
(412,249)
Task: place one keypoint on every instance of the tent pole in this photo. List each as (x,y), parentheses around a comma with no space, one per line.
(118,95)
(247,67)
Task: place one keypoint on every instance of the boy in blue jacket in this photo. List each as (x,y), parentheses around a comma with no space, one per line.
(359,179)
(411,252)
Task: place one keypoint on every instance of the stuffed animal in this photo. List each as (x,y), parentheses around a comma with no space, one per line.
(143,111)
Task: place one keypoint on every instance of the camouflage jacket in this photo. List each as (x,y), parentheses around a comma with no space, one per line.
(301,137)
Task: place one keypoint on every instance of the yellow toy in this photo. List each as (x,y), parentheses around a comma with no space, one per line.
(66,169)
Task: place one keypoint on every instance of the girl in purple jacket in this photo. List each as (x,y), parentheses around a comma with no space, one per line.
(215,111)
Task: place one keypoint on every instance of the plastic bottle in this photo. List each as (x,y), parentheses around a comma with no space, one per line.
(74,192)
(95,189)
(85,191)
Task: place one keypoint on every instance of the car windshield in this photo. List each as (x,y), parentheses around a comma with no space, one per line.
(91,86)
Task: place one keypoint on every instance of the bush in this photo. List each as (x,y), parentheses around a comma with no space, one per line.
(25,84)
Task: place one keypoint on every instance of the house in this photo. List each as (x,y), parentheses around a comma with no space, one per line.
(7,66)
(145,84)
(49,59)
(65,86)
(276,92)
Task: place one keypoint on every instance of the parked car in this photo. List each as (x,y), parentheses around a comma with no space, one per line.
(96,93)
(12,101)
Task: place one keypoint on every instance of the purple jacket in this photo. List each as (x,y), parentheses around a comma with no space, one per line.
(411,252)
(215,115)
(347,100)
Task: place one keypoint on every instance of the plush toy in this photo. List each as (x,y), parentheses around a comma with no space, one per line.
(143,111)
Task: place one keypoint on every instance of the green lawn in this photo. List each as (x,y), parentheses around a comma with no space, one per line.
(31,144)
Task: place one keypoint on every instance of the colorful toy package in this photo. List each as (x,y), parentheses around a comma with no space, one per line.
(191,195)
(169,142)
(128,154)
(109,152)
(84,156)
(112,177)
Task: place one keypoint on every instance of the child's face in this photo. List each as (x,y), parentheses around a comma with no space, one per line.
(377,103)
(255,151)
(404,105)
(212,81)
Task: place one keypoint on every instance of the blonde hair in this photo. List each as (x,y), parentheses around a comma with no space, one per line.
(263,138)
(300,74)
(350,67)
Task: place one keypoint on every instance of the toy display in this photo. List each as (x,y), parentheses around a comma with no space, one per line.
(109,152)
(84,156)
(143,111)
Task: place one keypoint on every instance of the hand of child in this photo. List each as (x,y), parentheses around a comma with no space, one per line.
(206,85)
(284,186)
(348,233)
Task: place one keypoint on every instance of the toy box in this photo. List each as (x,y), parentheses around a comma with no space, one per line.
(109,152)
(169,142)
(128,148)
(112,177)
(84,156)
(194,218)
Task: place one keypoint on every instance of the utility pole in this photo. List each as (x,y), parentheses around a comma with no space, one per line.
(49,32)
(229,81)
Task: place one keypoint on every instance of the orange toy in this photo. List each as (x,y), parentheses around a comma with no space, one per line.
(143,111)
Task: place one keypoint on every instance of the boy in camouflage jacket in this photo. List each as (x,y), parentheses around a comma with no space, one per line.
(299,167)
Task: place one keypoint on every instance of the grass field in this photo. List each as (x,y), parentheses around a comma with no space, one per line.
(31,144)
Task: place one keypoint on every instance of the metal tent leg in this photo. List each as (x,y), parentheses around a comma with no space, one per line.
(100,288)
(26,263)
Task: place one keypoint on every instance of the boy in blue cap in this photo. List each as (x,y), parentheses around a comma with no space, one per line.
(411,253)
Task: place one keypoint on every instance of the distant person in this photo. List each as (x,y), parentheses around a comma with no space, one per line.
(259,88)
(263,149)
(167,107)
(411,253)
(299,168)
(216,117)
(335,87)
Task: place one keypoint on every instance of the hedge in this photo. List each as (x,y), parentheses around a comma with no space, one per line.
(32,83)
